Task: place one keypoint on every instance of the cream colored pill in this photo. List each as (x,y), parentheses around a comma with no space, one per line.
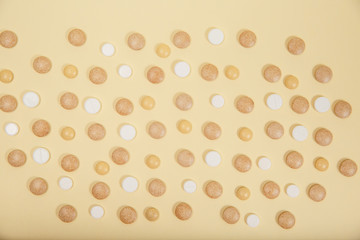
(97,212)
(92,105)
(215,36)
(31,99)
(108,49)
(217,101)
(130,184)
(322,104)
(189,186)
(125,71)
(41,155)
(292,191)
(274,101)
(11,129)
(182,69)
(212,158)
(264,163)
(252,220)
(299,133)
(127,132)
(65,183)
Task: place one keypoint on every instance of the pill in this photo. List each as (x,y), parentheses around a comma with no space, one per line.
(321,164)
(232,72)
(274,130)
(129,184)
(184,126)
(299,133)
(97,75)
(96,131)
(299,104)
(242,163)
(286,220)
(120,156)
(215,36)
(136,41)
(125,71)
(16,158)
(322,73)
(124,106)
(264,163)
(292,190)
(209,72)
(252,220)
(147,102)
(152,214)
(11,129)
(155,75)
(127,132)
(272,73)
(97,212)
(317,192)
(42,64)
(65,183)
(183,211)
(274,101)
(244,104)
(162,50)
(156,130)
(183,101)
(322,104)
(212,158)
(107,49)
(323,136)
(294,159)
(152,161)
(348,167)
(243,193)
(211,130)
(271,190)
(127,215)
(213,189)
(156,187)
(291,82)
(189,186)
(92,105)
(342,109)
(70,163)
(41,155)
(182,69)
(77,37)
(296,45)
(38,186)
(181,39)
(67,133)
(217,101)
(8,39)
(8,103)
(100,190)
(6,76)
(185,158)
(67,213)
(69,101)
(102,168)
(70,71)
(31,99)
(245,134)
(41,128)
(247,39)
(230,215)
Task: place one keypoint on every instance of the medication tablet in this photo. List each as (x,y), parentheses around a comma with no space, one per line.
(299,133)
(264,163)
(252,220)
(42,64)
(67,213)
(231,215)
(215,36)
(100,190)
(322,104)
(274,101)
(136,41)
(292,191)
(286,220)
(130,184)
(212,158)
(108,49)
(183,211)
(65,183)
(271,190)
(181,39)
(316,192)
(97,212)
(8,39)
(77,37)
(41,155)
(189,186)
(11,129)
(92,105)
(217,101)
(125,71)
(127,132)
(182,69)
(31,99)
(128,215)
(213,189)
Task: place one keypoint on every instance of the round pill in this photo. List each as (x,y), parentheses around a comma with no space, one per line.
(152,161)
(31,99)
(70,71)
(294,159)
(155,75)
(100,190)
(183,211)
(69,101)
(291,82)
(274,130)
(182,69)
(152,214)
(209,72)
(252,220)
(244,104)
(243,193)
(6,76)
(11,129)
(67,213)
(97,75)
(245,134)
(247,39)
(124,106)
(147,102)
(77,37)
(185,158)
(156,130)
(92,105)
(107,49)
(299,133)
(211,131)
(136,41)
(274,101)
(102,168)
(342,109)
(42,64)
(41,155)
(8,103)
(96,131)
(162,50)
(292,190)
(242,163)
(16,158)
(300,104)
(189,186)
(321,164)
(264,163)
(129,184)
(120,156)
(212,158)
(217,101)
(65,183)
(184,126)
(125,71)
(296,45)
(323,137)
(215,36)
(322,104)
(181,39)
(231,215)
(70,163)
(128,215)
(41,128)
(317,192)
(38,186)
(213,189)
(271,190)
(286,220)
(97,212)
(67,133)
(322,73)
(232,72)
(348,168)
(8,39)
(127,132)
(272,73)
(183,101)
(156,187)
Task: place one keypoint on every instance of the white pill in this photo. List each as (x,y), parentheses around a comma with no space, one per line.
(299,133)
(217,101)
(182,69)
(97,212)
(292,191)
(264,163)
(252,220)
(127,132)
(41,155)
(65,183)
(125,71)
(189,186)
(31,99)
(108,49)
(322,104)
(215,36)
(274,101)
(92,105)
(130,184)
(11,129)
(212,158)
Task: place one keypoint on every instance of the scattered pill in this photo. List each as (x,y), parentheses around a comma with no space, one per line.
(65,183)
(232,72)
(271,190)
(231,215)
(212,158)
(317,192)
(16,158)
(77,37)
(108,49)
(152,214)
(209,72)
(136,41)
(321,164)
(92,105)
(120,156)
(213,189)
(102,168)
(299,133)
(8,103)
(163,50)
(189,186)
(125,71)
(152,161)
(124,106)
(67,133)
(100,190)
(264,163)
(67,213)
(242,163)
(181,39)
(127,132)
(212,130)
(147,102)
(342,109)
(130,184)
(243,193)
(323,137)
(70,71)
(215,36)
(348,168)
(247,39)
(296,45)
(217,101)
(182,69)
(97,75)
(183,101)
(31,99)
(6,76)
(156,187)
(252,220)
(8,39)
(274,101)
(274,130)
(272,73)
(156,130)
(41,128)
(184,126)
(70,163)
(41,155)
(294,159)
(97,212)
(292,190)
(185,158)
(38,186)
(245,134)
(42,64)
(244,104)
(291,82)
(299,104)
(155,75)
(11,129)
(128,215)
(69,101)
(322,73)
(322,104)
(183,211)
(286,220)
(96,131)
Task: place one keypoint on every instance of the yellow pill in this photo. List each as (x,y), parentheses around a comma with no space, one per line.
(245,134)
(70,71)
(291,82)
(102,168)
(184,126)
(152,161)
(231,72)
(147,102)
(67,133)
(6,76)
(163,50)
(321,164)
(243,193)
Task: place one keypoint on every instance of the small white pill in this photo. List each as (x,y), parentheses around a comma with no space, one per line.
(125,71)
(252,220)
(292,191)
(130,184)
(274,101)
(299,133)
(65,183)
(182,69)
(97,212)
(11,129)
(217,101)
(31,99)
(92,105)
(322,104)
(264,163)
(189,186)
(41,155)
(212,158)
(127,132)
(215,36)
(108,49)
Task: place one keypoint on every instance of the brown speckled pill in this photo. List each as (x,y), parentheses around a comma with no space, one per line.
(67,213)
(322,73)
(16,158)
(183,211)
(124,106)
(96,131)
(41,128)
(185,158)
(323,137)
(100,190)
(272,73)
(274,130)
(38,186)
(157,130)
(244,104)
(247,39)
(8,39)
(317,192)
(299,104)
(213,189)
(183,101)
(8,103)
(286,220)
(151,214)
(155,75)
(120,156)
(128,215)
(348,167)
(77,37)
(181,39)
(242,163)
(271,190)
(296,45)
(231,215)
(294,159)
(70,163)
(97,75)
(209,72)
(42,64)
(69,101)
(156,187)
(136,41)
(212,130)
(342,109)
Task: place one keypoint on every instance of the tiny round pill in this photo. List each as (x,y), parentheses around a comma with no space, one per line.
(189,186)
(342,109)
(67,213)
(271,190)
(321,164)
(156,187)
(264,163)
(182,69)
(299,133)
(322,73)
(70,71)
(291,82)
(274,101)
(245,134)
(272,73)
(348,167)
(213,189)
(41,155)
(129,184)
(185,158)
(107,49)
(217,101)
(183,211)
(65,183)
(120,156)
(183,101)
(125,71)
(38,186)
(11,129)
(102,168)
(244,104)
(243,193)
(292,190)
(252,220)
(317,192)
(41,128)
(96,131)
(127,132)
(97,211)
(181,39)
(69,101)
(286,220)
(77,37)
(31,99)
(300,104)
(100,190)
(8,39)
(152,161)
(16,158)
(323,137)
(162,50)
(70,163)
(8,103)
(124,106)
(67,133)
(97,75)
(242,163)
(212,130)
(128,215)
(147,102)
(247,39)
(231,215)
(155,75)
(136,41)
(215,36)
(42,64)
(212,158)
(209,72)
(156,130)
(294,159)
(6,76)
(184,126)
(232,72)
(274,130)
(322,104)
(152,214)
(296,45)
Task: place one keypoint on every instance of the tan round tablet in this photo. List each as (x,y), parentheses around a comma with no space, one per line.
(67,213)
(348,167)
(67,133)
(100,190)
(128,215)
(41,128)
(38,186)
(286,220)
(16,158)
(155,75)
(296,45)
(42,64)
(231,72)
(183,211)
(231,215)
(321,164)
(97,75)
(96,131)
(77,37)
(151,214)
(323,137)
(70,163)
(124,106)
(157,130)
(274,130)
(242,163)
(342,109)
(185,158)
(183,101)
(245,134)
(156,187)
(271,190)
(70,71)
(247,39)
(181,39)
(322,73)
(209,72)
(272,73)
(317,192)
(136,41)
(243,193)
(69,100)
(120,156)
(8,103)
(6,76)
(152,161)
(291,82)
(300,104)
(294,159)
(213,189)
(244,104)
(212,131)
(8,39)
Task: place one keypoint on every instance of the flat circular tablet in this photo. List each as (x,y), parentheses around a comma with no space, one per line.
(189,186)
(342,109)
(38,186)
(8,103)
(323,137)
(185,158)
(41,155)
(162,50)
(11,129)
(41,128)
(300,104)
(291,82)
(181,39)
(296,46)
(183,211)
(183,101)
(92,105)
(96,131)
(70,163)
(67,213)
(322,73)
(129,184)
(232,72)
(100,190)
(152,161)
(31,99)
(243,193)
(182,69)
(274,130)
(77,37)
(212,158)
(152,214)
(97,212)
(155,75)
(213,189)
(272,73)
(242,163)
(69,101)
(209,72)
(70,71)
(125,71)
(317,192)
(321,164)
(156,130)
(128,215)
(322,104)
(231,215)
(212,130)
(136,41)
(8,39)
(292,190)
(299,133)
(102,168)
(147,102)
(264,163)
(245,134)
(67,133)
(247,39)
(184,126)
(127,132)
(108,49)
(215,36)
(217,101)
(42,64)
(6,76)
(252,220)
(244,104)
(271,190)
(124,106)
(274,101)
(348,168)
(97,75)
(16,158)
(286,220)
(65,183)
(294,159)
(120,156)
(156,187)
